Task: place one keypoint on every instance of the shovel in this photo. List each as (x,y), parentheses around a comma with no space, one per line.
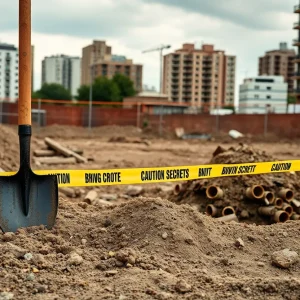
(26,199)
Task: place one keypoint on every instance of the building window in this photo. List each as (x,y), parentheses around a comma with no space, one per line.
(269,88)
(256,87)
(269,97)
(256,96)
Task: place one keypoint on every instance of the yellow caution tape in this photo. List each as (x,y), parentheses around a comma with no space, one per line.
(77,178)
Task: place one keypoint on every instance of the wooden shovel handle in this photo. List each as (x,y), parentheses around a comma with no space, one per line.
(24,106)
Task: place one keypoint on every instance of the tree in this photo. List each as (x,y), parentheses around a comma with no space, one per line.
(291,99)
(52,91)
(103,90)
(125,85)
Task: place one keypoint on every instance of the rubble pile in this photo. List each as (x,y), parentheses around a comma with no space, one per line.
(261,199)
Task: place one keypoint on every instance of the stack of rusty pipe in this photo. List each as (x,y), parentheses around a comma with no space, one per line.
(278,208)
(226,214)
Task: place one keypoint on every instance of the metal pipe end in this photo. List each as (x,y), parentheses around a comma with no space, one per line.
(211,210)
(228,210)
(286,194)
(278,203)
(214,192)
(255,192)
(281,216)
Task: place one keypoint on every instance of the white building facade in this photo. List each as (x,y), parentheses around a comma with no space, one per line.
(9,72)
(64,70)
(263,93)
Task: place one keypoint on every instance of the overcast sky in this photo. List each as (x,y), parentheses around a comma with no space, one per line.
(243,28)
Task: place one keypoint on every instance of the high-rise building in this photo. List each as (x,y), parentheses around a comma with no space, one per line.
(64,70)
(261,93)
(296,43)
(9,72)
(201,77)
(279,62)
(98,58)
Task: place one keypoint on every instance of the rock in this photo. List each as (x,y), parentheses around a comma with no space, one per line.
(284,258)
(126,256)
(164,235)
(6,296)
(41,288)
(15,250)
(219,150)
(30,277)
(99,202)
(35,270)
(239,243)
(83,242)
(107,222)
(74,259)
(39,260)
(28,256)
(261,264)
(111,273)
(244,214)
(183,287)
(8,237)
(134,190)
(122,297)
(109,197)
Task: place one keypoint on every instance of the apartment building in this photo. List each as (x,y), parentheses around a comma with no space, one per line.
(296,43)
(261,93)
(9,72)
(64,70)
(279,62)
(98,58)
(201,77)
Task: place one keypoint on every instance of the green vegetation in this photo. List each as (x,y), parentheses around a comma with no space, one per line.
(52,91)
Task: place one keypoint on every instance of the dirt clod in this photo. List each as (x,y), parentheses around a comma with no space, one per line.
(182,286)
(284,258)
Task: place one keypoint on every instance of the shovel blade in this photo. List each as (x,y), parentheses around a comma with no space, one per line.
(42,202)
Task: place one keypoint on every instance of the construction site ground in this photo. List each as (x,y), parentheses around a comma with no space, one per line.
(139,242)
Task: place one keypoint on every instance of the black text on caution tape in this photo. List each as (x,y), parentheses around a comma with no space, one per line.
(234,170)
(63,178)
(281,167)
(106,177)
(204,172)
(160,175)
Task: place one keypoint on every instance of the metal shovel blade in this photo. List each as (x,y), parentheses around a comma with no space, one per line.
(27,199)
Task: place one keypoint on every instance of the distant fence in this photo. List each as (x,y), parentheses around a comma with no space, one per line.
(153,115)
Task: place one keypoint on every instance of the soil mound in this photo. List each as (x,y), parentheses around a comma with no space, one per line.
(9,148)
(234,188)
(146,249)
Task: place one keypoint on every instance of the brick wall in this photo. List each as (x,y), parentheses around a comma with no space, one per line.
(283,125)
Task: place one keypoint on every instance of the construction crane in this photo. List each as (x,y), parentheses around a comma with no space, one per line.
(160,49)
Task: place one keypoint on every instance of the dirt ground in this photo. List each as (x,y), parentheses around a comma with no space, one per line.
(144,247)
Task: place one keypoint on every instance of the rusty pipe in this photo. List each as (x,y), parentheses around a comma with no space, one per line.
(228,210)
(296,205)
(267,210)
(255,192)
(278,203)
(214,192)
(270,197)
(211,210)
(177,189)
(281,216)
(286,194)
(295,217)
(228,218)
(288,208)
